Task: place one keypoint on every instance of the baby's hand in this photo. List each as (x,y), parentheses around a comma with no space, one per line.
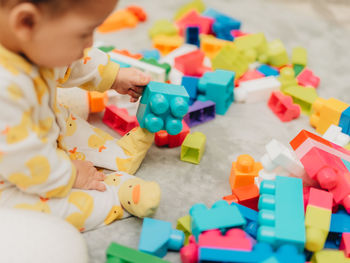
(131,81)
(88,178)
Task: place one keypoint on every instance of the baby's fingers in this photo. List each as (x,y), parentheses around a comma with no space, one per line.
(97,185)
(140,79)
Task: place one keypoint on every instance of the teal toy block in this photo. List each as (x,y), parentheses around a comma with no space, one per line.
(121,64)
(157,237)
(286,254)
(218,86)
(281,212)
(193,147)
(221,216)
(120,254)
(162,107)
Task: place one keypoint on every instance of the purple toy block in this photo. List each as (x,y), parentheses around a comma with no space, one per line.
(199,112)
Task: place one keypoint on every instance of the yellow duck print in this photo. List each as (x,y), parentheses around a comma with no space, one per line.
(85,203)
(74,155)
(40,88)
(114,214)
(113,179)
(71,125)
(39,168)
(19,132)
(40,206)
(98,140)
(15,92)
(43,128)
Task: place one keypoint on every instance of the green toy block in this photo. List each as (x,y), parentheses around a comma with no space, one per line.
(193,147)
(154,62)
(230,58)
(297,69)
(287,78)
(194,5)
(277,53)
(256,42)
(299,56)
(303,96)
(162,27)
(106,48)
(120,254)
(184,224)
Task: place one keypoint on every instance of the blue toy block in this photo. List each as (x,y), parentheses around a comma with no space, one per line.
(333,240)
(260,252)
(267,70)
(192,35)
(252,219)
(344,121)
(157,237)
(340,222)
(221,215)
(162,107)
(150,53)
(121,64)
(218,86)
(281,215)
(191,86)
(286,254)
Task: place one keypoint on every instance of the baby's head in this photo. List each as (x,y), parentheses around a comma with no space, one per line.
(51,33)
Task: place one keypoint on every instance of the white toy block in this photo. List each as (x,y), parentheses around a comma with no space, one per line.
(334,134)
(256,90)
(254,65)
(156,73)
(175,76)
(184,49)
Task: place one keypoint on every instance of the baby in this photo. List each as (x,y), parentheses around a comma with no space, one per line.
(48,155)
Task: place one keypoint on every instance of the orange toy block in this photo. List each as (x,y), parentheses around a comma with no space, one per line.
(97,101)
(118,20)
(243,171)
(211,45)
(125,52)
(166,44)
(230,199)
(247,195)
(138,12)
(325,113)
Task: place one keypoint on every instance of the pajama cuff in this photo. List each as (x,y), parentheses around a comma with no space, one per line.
(109,75)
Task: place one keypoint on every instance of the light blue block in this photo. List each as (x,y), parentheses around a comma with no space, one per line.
(252,219)
(191,85)
(267,70)
(151,53)
(121,64)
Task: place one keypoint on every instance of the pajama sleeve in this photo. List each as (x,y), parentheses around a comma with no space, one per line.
(29,157)
(95,72)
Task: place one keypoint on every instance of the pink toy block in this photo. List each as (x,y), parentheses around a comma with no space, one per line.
(234,238)
(345,244)
(163,138)
(283,106)
(193,18)
(320,198)
(237,33)
(191,64)
(307,78)
(189,253)
(119,119)
(249,75)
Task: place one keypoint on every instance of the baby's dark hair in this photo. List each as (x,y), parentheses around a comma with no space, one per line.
(56,6)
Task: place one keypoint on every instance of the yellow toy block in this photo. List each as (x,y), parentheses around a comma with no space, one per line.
(329,256)
(277,53)
(163,27)
(253,44)
(211,45)
(317,222)
(287,78)
(97,101)
(194,5)
(303,96)
(184,224)
(325,113)
(166,44)
(299,56)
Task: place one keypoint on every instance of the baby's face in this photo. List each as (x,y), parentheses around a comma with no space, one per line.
(61,40)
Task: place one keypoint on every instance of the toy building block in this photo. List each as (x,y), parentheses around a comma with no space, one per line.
(308,78)
(166,44)
(97,101)
(157,73)
(277,53)
(283,107)
(191,63)
(193,18)
(162,27)
(119,119)
(138,12)
(118,20)
(255,44)
(286,254)
(318,219)
(150,53)
(335,135)
(121,64)
(238,33)
(340,222)
(193,147)
(211,45)
(182,50)
(163,138)
(299,56)
(256,90)
(221,215)
(230,58)
(247,195)
(345,244)
(184,225)
(191,85)
(325,113)
(162,107)
(127,53)
(243,171)
(197,5)
(118,253)
(200,112)
(154,62)
(189,253)
(303,96)
(281,215)
(249,75)
(192,35)
(297,69)
(157,237)
(344,121)
(267,70)
(251,216)
(218,87)
(106,49)
(329,255)
(230,199)
(287,78)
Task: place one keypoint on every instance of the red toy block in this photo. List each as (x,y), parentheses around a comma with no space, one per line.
(283,106)
(320,198)
(119,119)
(307,78)
(163,138)
(249,75)
(193,18)
(303,136)
(345,244)
(230,199)
(138,12)
(191,64)
(247,195)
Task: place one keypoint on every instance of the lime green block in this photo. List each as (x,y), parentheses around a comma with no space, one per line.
(120,254)
(154,62)
(277,53)
(162,27)
(297,69)
(317,222)
(230,58)
(193,147)
(303,96)
(299,56)
(106,48)
(252,41)
(329,256)
(347,146)
(184,224)
(287,78)
(194,5)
